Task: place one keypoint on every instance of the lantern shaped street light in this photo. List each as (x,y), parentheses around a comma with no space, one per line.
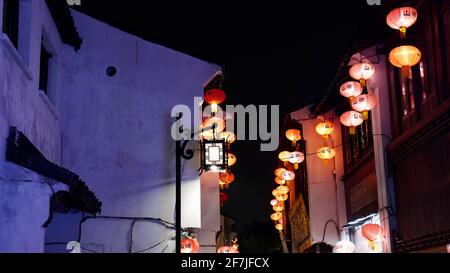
(351,90)
(326,153)
(288,175)
(279,207)
(401,19)
(214,156)
(284,156)
(215,97)
(362,72)
(276,216)
(280,181)
(405,57)
(344,247)
(274,202)
(226,178)
(231,159)
(294,135)
(279,172)
(373,233)
(364,104)
(296,158)
(189,245)
(227,250)
(352,119)
(283,189)
(325,129)
(279,196)
(279,227)
(282,197)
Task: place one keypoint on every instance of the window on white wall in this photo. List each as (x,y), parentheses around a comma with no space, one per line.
(11,20)
(44,68)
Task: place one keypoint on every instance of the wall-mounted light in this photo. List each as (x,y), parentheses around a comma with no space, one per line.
(214,157)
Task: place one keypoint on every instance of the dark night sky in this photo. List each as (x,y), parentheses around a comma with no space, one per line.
(273,53)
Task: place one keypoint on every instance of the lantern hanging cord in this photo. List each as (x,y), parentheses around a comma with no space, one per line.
(326,226)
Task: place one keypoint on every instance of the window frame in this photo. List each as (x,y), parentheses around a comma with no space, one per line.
(10,20)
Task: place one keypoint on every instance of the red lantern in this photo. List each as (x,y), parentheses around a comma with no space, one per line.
(226,178)
(372,232)
(224,197)
(215,97)
(352,119)
(227,250)
(189,245)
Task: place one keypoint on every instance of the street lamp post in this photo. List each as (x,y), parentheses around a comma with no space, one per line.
(213,158)
(188,154)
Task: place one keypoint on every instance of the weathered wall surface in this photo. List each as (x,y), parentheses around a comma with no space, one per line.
(24,198)
(326,195)
(116,133)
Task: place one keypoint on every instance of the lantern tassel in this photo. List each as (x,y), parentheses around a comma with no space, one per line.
(403,33)
(351,100)
(363,82)
(352,131)
(406,71)
(365,115)
(296,166)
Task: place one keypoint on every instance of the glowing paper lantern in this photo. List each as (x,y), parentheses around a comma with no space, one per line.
(227,250)
(276,216)
(223,198)
(405,57)
(296,158)
(362,72)
(279,207)
(231,159)
(344,247)
(372,232)
(283,189)
(401,19)
(280,197)
(279,227)
(294,135)
(326,153)
(364,104)
(325,129)
(229,137)
(226,178)
(352,119)
(351,90)
(274,202)
(288,175)
(215,97)
(284,156)
(189,245)
(279,171)
(280,181)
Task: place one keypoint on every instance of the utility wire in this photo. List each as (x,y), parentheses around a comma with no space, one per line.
(156,245)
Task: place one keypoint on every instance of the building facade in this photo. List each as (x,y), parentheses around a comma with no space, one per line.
(94,103)
(394,172)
